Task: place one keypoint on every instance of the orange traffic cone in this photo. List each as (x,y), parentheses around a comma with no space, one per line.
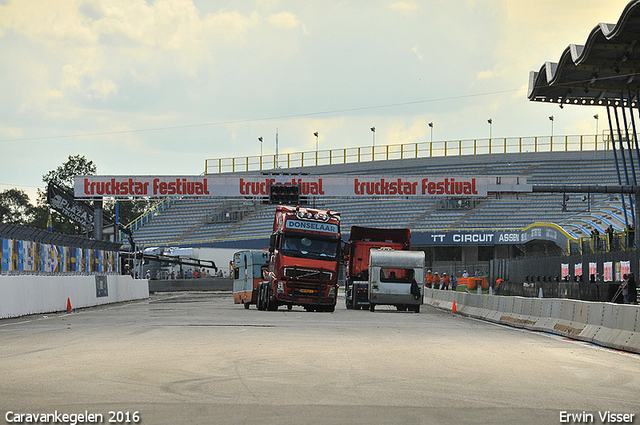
(69,305)
(454,309)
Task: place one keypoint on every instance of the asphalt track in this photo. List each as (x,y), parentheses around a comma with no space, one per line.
(196,358)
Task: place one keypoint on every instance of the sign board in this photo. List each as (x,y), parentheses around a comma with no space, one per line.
(65,204)
(538,231)
(363,186)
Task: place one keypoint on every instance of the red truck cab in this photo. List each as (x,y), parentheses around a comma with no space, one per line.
(304,260)
(361,240)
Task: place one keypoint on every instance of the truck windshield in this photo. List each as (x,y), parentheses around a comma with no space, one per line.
(305,246)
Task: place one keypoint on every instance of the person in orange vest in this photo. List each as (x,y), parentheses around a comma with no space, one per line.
(429,280)
(498,283)
(436,281)
(445,281)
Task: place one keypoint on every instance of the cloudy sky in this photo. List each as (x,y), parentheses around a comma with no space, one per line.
(156,87)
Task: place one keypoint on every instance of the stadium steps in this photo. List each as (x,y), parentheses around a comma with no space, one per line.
(243,223)
(466,216)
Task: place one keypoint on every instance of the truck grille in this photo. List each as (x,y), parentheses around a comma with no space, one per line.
(307,275)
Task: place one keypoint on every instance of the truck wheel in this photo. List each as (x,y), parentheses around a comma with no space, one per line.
(271,305)
(372,307)
(260,300)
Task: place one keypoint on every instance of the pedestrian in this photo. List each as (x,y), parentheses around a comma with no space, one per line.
(148,275)
(436,281)
(429,279)
(445,282)
(454,283)
(465,274)
(625,288)
(498,283)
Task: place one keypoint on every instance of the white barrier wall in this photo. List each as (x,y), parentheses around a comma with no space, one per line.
(21,295)
(607,324)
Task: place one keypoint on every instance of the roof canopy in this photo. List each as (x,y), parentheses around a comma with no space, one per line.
(601,72)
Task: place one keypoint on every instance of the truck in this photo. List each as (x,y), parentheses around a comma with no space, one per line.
(361,240)
(396,278)
(250,267)
(304,260)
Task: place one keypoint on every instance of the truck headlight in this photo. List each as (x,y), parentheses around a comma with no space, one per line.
(332,291)
(280,287)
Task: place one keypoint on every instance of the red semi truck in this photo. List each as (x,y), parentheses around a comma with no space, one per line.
(361,240)
(304,260)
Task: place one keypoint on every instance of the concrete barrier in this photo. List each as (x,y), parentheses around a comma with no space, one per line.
(21,295)
(203,284)
(610,325)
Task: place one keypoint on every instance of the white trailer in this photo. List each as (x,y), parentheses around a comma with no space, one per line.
(396,278)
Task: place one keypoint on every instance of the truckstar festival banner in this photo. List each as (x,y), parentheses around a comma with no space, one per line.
(247,186)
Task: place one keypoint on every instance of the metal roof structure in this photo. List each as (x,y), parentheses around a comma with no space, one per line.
(603,71)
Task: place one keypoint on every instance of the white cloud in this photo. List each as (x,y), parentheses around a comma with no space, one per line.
(97,66)
(416,50)
(405,6)
(283,20)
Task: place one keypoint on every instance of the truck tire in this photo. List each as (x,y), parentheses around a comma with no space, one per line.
(260,301)
(271,305)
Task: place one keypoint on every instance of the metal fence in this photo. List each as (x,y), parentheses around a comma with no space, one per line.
(592,142)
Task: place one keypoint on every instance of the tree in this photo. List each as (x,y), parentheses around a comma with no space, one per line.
(15,207)
(62,176)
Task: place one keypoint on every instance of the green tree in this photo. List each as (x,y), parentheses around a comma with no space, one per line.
(15,207)
(76,165)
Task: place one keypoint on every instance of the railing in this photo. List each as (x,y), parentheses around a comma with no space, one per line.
(589,142)
(621,241)
(147,216)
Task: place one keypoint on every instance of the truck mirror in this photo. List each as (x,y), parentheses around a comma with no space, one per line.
(272,243)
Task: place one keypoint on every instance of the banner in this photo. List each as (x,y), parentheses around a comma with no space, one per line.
(625,267)
(65,204)
(536,231)
(258,186)
(564,270)
(577,269)
(608,272)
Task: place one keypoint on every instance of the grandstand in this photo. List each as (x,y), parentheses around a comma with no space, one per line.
(247,223)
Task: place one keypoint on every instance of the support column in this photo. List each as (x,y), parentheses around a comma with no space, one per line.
(97,219)
(636,238)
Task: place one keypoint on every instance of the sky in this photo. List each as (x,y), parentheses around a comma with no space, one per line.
(156,87)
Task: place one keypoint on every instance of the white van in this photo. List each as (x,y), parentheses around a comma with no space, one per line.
(396,278)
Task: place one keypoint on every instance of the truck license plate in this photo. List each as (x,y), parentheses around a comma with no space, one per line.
(307,291)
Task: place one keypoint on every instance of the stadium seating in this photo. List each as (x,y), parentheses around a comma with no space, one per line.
(189,221)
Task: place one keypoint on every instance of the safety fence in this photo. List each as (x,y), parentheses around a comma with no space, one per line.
(592,142)
(607,324)
(28,257)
